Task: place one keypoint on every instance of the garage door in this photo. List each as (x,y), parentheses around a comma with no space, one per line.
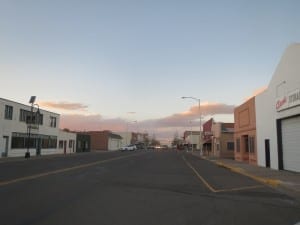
(291,144)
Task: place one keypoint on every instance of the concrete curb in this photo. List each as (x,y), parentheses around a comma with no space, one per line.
(267,181)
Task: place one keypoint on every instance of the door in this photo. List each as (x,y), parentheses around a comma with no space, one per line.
(267,152)
(4,150)
(65,147)
(290,143)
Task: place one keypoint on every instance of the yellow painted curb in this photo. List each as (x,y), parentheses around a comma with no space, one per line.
(268,181)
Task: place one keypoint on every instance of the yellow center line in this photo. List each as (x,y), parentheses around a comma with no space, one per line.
(36,176)
(211,188)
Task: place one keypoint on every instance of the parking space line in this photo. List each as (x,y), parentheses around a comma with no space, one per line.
(214,190)
(240,188)
(36,176)
(199,176)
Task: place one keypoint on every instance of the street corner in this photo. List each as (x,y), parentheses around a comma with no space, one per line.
(264,180)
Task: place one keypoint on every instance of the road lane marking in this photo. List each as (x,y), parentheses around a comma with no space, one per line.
(240,188)
(199,176)
(36,176)
(214,190)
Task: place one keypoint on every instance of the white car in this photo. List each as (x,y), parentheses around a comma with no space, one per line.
(128,148)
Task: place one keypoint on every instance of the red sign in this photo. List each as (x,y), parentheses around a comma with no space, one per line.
(281,102)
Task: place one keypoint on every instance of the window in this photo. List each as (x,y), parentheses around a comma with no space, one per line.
(25,115)
(70,143)
(8,112)
(238,145)
(28,117)
(246,143)
(20,140)
(61,144)
(230,146)
(52,121)
(252,144)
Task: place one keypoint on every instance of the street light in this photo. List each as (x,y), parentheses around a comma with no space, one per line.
(200,139)
(32,122)
(191,138)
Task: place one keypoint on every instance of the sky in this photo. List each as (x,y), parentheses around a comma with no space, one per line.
(125,64)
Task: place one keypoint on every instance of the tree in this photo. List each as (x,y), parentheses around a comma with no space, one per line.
(176,140)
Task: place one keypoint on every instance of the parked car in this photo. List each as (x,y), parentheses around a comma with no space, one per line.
(128,148)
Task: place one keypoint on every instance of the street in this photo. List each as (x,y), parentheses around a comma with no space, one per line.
(136,188)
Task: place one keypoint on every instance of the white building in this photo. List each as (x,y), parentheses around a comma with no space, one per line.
(44,132)
(66,142)
(192,138)
(126,138)
(278,115)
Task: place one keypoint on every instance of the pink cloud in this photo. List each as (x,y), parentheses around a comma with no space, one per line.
(63,105)
(81,122)
(180,119)
(256,92)
(163,128)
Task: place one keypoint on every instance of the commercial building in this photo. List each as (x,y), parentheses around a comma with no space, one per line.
(278,115)
(83,142)
(15,121)
(207,137)
(192,139)
(28,129)
(66,142)
(223,140)
(245,132)
(105,140)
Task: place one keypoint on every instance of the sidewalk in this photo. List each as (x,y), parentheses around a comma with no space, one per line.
(284,181)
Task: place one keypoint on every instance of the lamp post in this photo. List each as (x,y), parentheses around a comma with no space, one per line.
(191,138)
(32,122)
(200,139)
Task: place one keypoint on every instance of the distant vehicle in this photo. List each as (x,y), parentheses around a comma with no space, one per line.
(140,145)
(128,148)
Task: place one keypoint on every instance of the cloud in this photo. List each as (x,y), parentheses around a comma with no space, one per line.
(163,128)
(64,105)
(180,119)
(80,122)
(256,92)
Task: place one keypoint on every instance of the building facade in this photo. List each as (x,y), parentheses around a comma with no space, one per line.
(278,115)
(192,139)
(14,126)
(83,142)
(66,142)
(105,140)
(207,137)
(245,132)
(223,140)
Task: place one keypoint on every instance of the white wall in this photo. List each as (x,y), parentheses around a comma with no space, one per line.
(285,79)
(114,144)
(66,137)
(127,136)
(7,127)
(193,139)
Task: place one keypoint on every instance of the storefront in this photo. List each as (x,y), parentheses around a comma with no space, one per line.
(278,115)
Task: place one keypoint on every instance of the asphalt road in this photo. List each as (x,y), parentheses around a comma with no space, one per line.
(142,188)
